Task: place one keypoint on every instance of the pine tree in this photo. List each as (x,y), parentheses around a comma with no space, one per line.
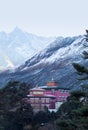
(73,114)
(80,115)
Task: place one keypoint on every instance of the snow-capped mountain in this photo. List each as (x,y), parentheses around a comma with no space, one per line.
(53,61)
(18,46)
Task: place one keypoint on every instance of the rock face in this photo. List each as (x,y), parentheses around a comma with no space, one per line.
(53,61)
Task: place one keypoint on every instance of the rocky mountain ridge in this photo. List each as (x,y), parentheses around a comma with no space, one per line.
(53,61)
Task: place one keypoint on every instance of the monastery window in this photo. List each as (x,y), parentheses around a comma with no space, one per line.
(63,98)
(47,100)
(36,100)
(59,98)
(59,90)
(32,100)
(31,93)
(36,106)
(43,100)
(66,91)
(62,91)
(33,105)
(53,91)
(42,106)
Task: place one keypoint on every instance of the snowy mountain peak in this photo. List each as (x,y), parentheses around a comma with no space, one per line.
(17,29)
(18,46)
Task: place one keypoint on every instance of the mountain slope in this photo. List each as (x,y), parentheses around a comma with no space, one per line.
(54,61)
(18,46)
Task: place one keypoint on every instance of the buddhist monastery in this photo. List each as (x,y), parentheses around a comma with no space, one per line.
(50,95)
(61,94)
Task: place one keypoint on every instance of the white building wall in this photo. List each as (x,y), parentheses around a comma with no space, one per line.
(57,105)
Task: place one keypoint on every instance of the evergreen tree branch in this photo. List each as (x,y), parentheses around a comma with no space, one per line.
(80,68)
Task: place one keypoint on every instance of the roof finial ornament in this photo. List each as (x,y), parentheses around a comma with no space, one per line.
(52,79)
(37,86)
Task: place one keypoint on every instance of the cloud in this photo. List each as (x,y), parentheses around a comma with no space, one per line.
(10,64)
(7,59)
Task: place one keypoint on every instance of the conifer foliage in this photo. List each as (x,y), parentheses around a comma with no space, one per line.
(73,114)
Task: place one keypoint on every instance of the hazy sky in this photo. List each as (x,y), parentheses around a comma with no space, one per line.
(45,17)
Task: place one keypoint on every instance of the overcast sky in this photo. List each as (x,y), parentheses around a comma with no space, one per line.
(45,17)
